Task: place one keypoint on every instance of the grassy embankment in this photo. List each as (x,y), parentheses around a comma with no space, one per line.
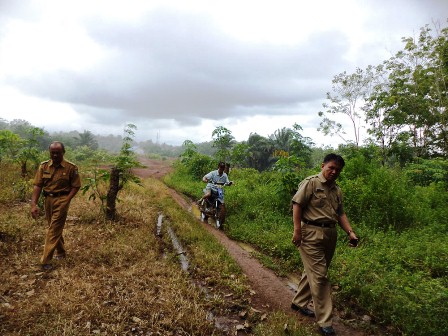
(399,273)
(119,278)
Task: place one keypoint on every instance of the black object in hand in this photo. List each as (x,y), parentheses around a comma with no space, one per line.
(353,242)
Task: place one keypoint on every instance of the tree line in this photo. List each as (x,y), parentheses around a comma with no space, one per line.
(401,105)
(402,102)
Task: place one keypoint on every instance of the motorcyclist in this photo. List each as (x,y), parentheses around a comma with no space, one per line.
(215,176)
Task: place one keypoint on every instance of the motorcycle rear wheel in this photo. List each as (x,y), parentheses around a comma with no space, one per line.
(220,216)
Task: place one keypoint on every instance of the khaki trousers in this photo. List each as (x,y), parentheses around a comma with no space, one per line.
(317,250)
(56,209)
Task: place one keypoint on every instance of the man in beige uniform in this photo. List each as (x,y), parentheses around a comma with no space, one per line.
(59,180)
(317,208)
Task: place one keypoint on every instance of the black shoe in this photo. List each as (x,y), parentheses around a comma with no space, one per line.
(327,331)
(304,311)
(46,267)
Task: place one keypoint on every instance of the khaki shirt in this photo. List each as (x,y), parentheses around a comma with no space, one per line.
(320,202)
(57,179)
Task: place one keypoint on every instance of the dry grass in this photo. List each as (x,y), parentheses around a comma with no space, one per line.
(118,278)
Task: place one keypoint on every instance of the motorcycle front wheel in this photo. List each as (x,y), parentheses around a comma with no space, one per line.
(203,209)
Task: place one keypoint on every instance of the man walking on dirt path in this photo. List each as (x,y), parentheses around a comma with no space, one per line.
(59,180)
(317,208)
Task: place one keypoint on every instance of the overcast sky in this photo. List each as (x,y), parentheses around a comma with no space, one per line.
(179,69)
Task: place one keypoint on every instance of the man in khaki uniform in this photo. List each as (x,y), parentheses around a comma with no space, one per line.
(59,180)
(317,208)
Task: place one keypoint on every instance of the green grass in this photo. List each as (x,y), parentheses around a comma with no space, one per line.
(398,276)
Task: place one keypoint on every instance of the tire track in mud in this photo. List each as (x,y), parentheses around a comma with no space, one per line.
(271,292)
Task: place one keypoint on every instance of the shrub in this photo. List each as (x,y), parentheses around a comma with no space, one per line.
(399,274)
(380,200)
(426,172)
(198,165)
(13,186)
(399,278)
(429,206)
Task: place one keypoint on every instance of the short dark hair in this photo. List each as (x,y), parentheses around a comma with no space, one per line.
(57,143)
(221,164)
(336,158)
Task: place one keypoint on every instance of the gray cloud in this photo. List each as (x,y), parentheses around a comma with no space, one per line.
(171,70)
(182,67)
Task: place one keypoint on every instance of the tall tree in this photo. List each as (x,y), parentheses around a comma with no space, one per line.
(24,129)
(118,176)
(121,173)
(301,146)
(20,127)
(281,139)
(87,139)
(440,55)
(3,124)
(260,152)
(413,102)
(348,96)
(190,149)
(383,133)
(223,141)
(29,150)
(10,144)
(239,154)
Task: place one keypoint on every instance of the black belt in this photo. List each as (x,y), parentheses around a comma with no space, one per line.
(321,224)
(55,194)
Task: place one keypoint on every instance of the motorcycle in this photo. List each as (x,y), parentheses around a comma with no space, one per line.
(213,206)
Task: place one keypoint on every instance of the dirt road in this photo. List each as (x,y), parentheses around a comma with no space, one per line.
(271,291)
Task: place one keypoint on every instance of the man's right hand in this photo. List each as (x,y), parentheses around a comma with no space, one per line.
(34,211)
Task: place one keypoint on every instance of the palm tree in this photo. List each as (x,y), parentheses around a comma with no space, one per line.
(87,139)
(281,139)
(260,151)
(223,140)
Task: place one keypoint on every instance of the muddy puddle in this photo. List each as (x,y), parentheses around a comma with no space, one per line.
(223,323)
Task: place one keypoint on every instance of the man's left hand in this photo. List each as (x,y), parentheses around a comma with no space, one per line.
(353,239)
